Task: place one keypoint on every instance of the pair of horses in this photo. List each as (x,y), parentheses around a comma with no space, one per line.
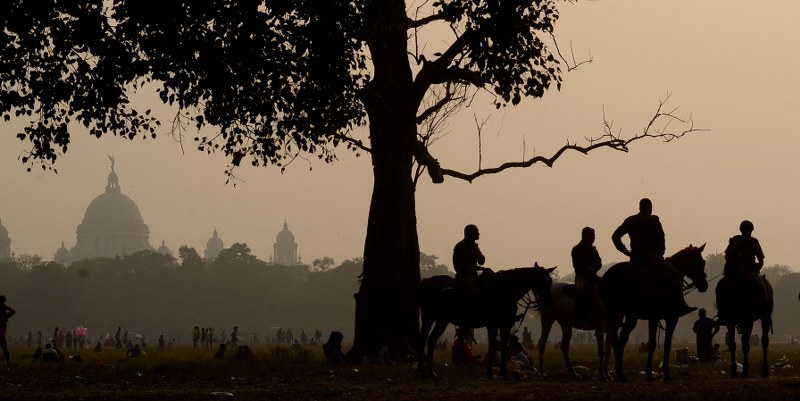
(627,294)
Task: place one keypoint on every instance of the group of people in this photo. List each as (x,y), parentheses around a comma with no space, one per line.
(744,258)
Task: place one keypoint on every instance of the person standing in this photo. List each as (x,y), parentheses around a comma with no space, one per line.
(705,328)
(647,250)
(5,313)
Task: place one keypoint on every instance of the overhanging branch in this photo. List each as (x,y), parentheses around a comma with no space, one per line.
(656,128)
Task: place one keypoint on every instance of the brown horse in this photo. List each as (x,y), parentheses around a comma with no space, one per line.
(564,312)
(739,303)
(500,292)
(634,292)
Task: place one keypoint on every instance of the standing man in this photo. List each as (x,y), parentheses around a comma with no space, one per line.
(586,262)
(647,250)
(5,313)
(704,329)
(467,261)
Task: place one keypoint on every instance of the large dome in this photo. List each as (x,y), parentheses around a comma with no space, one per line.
(112,225)
(113,208)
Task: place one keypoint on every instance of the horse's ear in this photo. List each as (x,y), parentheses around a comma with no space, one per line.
(702,247)
(535,264)
(552,269)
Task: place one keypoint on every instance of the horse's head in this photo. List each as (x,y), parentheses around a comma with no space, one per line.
(690,263)
(541,286)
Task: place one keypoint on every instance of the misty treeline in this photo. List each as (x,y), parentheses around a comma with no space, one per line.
(152,294)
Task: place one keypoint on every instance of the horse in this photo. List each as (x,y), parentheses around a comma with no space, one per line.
(740,304)
(633,292)
(564,313)
(439,306)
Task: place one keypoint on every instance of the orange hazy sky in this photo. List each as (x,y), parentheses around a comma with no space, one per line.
(732,65)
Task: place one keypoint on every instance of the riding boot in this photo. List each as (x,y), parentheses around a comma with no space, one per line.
(682,307)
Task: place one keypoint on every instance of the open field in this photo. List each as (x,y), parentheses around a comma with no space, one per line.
(281,373)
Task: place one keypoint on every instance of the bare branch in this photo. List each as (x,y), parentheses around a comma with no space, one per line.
(575,64)
(656,128)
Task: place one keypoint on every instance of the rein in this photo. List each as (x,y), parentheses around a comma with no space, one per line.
(528,302)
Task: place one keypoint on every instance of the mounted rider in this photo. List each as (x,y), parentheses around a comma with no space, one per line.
(586,262)
(647,249)
(467,261)
(744,259)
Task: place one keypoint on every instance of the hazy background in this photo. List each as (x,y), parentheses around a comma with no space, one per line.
(732,65)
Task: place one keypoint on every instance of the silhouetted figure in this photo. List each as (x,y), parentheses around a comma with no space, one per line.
(462,349)
(333,348)
(586,262)
(5,313)
(203,337)
(162,343)
(98,348)
(467,261)
(51,354)
(235,337)
(135,352)
(37,355)
(118,338)
(195,336)
(519,356)
(744,259)
(647,249)
(527,338)
(221,351)
(704,328)
(243,352)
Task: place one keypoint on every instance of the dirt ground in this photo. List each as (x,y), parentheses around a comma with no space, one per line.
(388,384)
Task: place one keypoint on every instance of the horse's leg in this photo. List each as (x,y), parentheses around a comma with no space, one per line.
(766,324)
(566,338)
(668,333)
(731,339)
(424,330)
(625,333)
(505,332)
(438,329)
(652,327)
(491,332)
(747,330)
(547,324)
(605,355)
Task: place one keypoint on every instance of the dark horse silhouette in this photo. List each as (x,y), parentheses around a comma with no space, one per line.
(500,293)
(634,292)
(739,303)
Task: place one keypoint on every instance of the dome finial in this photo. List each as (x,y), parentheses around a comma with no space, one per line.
(113,182)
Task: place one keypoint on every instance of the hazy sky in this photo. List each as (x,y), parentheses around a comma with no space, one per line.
(732,65)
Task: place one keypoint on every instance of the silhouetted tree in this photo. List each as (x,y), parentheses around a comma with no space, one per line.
(428,266)
(323,264)
(237,256)
(190,259)
(283,79)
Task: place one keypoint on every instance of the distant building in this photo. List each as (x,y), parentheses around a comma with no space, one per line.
(63,256)
(285,248)
(5,243)
(213,247)
(112,225)
(163,249)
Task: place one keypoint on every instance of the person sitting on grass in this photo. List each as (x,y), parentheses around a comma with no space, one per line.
(333,348)
(462,349)
(135,352)
(51,354)
(221,351)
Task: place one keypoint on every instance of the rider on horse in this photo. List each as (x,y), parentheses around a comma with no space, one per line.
(647,249)
(467,261)
(744,260)
(586,262)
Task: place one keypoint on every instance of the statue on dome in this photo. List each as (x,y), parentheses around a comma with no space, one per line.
(112,158)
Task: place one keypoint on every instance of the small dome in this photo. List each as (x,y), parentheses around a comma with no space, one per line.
(214,242)
(163,249)
(3,231)
(62,254)
(285,236)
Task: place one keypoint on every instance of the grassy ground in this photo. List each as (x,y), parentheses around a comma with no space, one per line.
(281,373)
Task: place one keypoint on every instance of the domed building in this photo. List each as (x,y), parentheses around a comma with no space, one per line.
(285,248)
(112,225)
(63,256)
(5,243)
(213,247)
(163,249)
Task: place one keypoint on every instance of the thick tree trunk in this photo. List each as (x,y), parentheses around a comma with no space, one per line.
(386,309)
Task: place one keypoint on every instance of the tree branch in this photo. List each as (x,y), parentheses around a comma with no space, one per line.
(609,139)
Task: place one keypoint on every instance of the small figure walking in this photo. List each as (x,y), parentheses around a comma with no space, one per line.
(5,313)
